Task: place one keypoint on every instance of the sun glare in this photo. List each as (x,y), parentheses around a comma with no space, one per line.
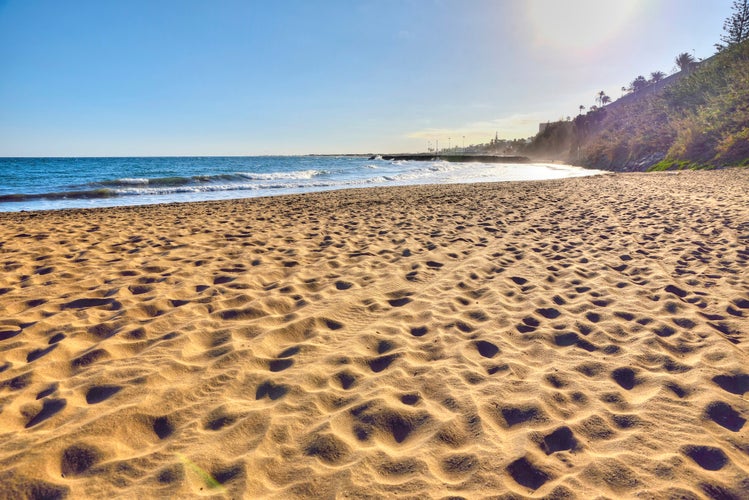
(582,26)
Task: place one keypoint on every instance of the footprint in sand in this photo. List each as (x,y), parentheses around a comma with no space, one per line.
(110,304)
(343,285)
(271,390)
(35,302)
(735,384)
(529,325)
(399,302)
(723,414)
(163,427)
(291,351)
(47,391)
(486,349)
(332,324)
(410,399)
(38,353)
(548,313)
(77,459)
(384,346)
(676,291)
(707,457)
(278,365)
(560,440)
(139,289)
(100,393)
(593,317)
(327,448)
(88,358)
(381,363)
(566,339)
(525,473)
(346,379)
(17,383)
(54,339)
(625,377)
(419,331)
(515,415)
(219,420)
(50,407)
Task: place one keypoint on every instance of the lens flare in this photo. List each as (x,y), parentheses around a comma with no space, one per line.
(578,26)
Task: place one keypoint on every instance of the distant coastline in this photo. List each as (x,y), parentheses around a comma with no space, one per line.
(453,158)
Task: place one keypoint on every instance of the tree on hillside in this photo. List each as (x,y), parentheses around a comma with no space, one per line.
(685,61)
(605,100)
(657,76)
(736,27)
(581,108)
(638,84)
(599,97)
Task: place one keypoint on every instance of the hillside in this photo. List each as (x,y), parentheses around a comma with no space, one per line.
(695,119)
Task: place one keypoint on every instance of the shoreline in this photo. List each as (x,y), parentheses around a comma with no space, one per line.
(572,338)
(363,191)
(149,191)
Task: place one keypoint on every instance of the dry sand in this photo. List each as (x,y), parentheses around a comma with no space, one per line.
(568,339)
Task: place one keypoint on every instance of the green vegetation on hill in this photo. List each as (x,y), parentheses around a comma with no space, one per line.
(710,110)
(698,118)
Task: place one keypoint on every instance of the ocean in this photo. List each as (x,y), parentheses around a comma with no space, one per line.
(57,183)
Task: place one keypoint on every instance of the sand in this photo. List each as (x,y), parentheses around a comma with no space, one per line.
(577,338)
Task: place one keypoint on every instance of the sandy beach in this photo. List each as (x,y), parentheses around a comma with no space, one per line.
(579,338)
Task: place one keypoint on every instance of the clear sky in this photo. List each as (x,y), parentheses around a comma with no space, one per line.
(243,77)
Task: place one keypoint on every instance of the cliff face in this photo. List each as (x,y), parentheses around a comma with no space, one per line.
(695,119)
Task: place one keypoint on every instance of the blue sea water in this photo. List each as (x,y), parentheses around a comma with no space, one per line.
(55,183)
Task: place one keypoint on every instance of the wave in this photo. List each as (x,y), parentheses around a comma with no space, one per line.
(159,191)
(63,195)
(207,179)
(297,174)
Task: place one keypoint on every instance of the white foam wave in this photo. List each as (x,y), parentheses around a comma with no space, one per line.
(271,176)
(152,191)
(133,180)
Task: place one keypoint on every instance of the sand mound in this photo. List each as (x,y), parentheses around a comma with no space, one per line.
(563,339)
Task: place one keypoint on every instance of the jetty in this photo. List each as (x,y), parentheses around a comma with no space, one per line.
(454,157)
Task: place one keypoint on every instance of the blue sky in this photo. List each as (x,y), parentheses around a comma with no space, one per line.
(197,77)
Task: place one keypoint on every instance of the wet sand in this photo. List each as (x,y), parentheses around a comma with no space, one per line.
(577,338)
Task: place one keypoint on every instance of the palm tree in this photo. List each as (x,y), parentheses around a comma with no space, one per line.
(599,97)
(605,100)
(638,84)
(657,76)
(685,61)
(581,108)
